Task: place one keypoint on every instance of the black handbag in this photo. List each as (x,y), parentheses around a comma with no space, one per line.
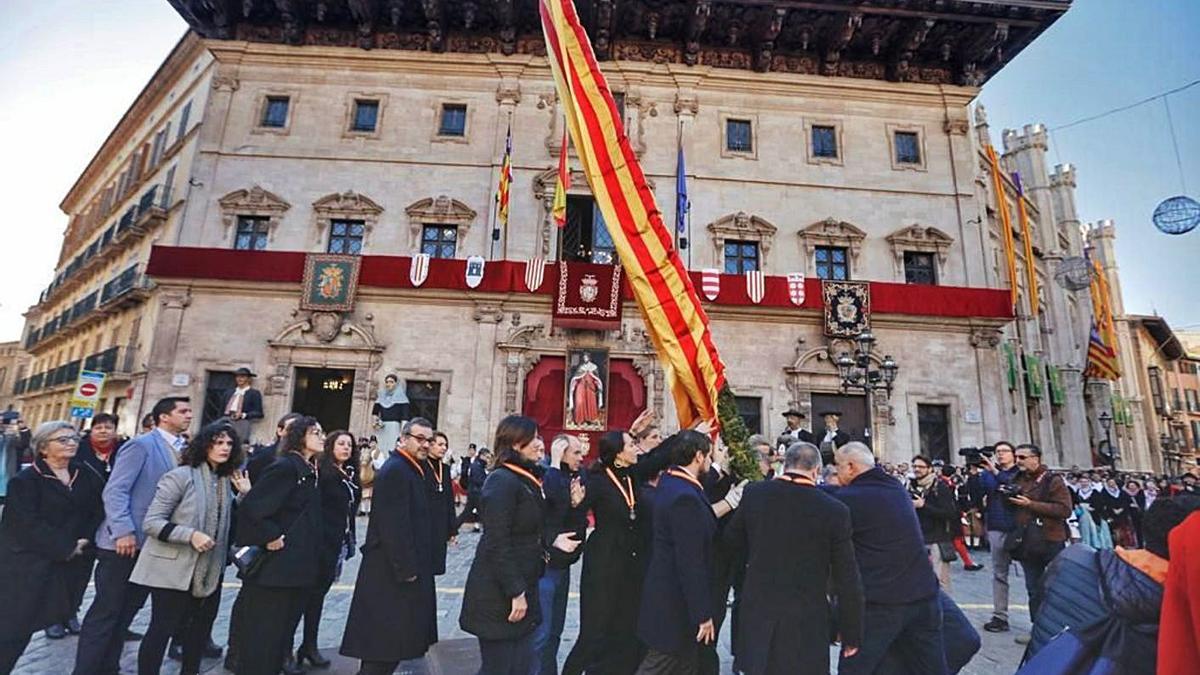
(946,551)
(248,560)
(1026,542)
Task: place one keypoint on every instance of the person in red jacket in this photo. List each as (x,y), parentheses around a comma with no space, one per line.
(1179,622)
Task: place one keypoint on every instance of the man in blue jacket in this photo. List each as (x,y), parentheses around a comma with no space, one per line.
(998,518)
(677,605)
(903,612)
(127,496)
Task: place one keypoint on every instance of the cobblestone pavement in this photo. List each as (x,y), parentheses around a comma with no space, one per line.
(972,590)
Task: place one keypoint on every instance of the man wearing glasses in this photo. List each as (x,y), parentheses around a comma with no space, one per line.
(393,614)
(1043,502)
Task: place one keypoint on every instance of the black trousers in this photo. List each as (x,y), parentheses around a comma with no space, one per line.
(177,613)
(470,512)
(78,576)
(506,657)
(312,612)
(686,662)
(268,617)
(11,649)
(116,602)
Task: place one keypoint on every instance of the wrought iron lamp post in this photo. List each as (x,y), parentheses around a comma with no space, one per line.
(857,372)
(1106,420)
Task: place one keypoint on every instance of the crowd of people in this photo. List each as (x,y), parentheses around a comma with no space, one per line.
(830,548)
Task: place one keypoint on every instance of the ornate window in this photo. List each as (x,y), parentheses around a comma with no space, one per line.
(741,256)
(916,239)
(744,230)
(831,234)
(439,241)
(439,213)
(831,263)
(349,216)
(919,268)
(255,203)
(252,233)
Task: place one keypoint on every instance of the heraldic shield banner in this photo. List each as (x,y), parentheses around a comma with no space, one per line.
(330,282)
(588,296)
(847,307)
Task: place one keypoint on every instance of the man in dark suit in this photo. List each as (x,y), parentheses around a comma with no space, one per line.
(790,530)
(393,613)
(677,606)
(903,611)
(243,404)
(794,432)
(833,437)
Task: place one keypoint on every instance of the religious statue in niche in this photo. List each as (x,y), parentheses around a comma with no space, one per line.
(587,382)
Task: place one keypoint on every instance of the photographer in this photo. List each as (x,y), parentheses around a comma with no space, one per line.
(937,512)
(997,472)
(1043,505)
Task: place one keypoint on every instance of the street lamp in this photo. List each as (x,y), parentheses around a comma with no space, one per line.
(1106,420)
(856,372)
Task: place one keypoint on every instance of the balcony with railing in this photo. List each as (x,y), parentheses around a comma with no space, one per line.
(128,285)
(141,216)
(114,361)
(124,290)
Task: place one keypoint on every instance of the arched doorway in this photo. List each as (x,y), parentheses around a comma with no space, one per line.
(545,384)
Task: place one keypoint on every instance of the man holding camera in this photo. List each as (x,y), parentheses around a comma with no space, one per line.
(1043,503)
(997,472)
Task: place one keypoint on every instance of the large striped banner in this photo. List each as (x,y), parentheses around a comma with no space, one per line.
(675,321)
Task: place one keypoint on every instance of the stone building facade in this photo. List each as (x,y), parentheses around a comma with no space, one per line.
(299,142)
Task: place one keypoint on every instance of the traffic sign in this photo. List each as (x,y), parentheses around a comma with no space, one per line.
(87,393)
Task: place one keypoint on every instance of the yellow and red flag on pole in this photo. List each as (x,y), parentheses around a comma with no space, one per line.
(1006,233)
(1102,342)
(559,209)
(1027,239)
(505,185)
(675,321)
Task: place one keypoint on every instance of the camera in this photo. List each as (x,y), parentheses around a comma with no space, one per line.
(974,456)
(1008,490)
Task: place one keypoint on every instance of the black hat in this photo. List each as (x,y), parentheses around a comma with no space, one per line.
(244,371)
(792,412)
(831,411)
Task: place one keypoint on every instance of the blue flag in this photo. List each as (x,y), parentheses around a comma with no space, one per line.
(681,195)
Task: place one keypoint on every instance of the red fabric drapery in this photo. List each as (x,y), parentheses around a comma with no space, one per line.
(508,276)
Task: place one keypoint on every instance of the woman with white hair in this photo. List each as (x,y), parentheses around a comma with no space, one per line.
(50,518)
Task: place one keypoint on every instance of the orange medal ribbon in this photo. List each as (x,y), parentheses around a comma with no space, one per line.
(437,473)
(527,475)
(680,473)
(416,465)
(797,480)
(629,495)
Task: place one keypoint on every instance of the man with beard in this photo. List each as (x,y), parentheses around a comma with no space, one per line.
(393,612)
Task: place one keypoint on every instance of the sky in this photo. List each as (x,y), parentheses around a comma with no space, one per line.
(69,72)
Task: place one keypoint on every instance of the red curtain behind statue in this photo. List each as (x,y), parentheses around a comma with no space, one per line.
(545,388)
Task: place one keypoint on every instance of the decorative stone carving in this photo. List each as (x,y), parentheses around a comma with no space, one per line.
(440,210)
(922,239)
(686,103)
(326,325)
(832,232)
(985,338)
(225,83)
(347,205)
(488,314)
(740,226)
(255,202)
(508,93)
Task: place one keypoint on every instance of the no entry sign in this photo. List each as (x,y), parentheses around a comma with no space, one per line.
(87,393)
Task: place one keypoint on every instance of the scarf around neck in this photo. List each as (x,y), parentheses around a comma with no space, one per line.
(926,483)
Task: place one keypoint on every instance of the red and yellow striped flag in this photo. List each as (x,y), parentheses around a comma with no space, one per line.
(1027,239)
(505,185)
(1102,343)
(675,321)
(559,209)
(1006,233)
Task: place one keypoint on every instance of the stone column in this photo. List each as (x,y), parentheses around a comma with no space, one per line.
(486,404)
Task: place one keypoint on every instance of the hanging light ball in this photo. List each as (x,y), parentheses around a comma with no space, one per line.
(1074,273)
(1177,215)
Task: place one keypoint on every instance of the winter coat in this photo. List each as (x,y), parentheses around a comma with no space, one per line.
(888,545)
(796,538)
(1108,605)
(939,516)
(393,614)
(509,557)
(285,501)
(43,519)
(1051,503)
(441,511)
(339,505)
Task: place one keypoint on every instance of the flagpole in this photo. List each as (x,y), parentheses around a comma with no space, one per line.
(495,227)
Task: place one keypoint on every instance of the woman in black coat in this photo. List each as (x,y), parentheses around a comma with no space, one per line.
(613,566)
(339,502)
(281,513)
(441,500)
(50,517)
(500,603)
